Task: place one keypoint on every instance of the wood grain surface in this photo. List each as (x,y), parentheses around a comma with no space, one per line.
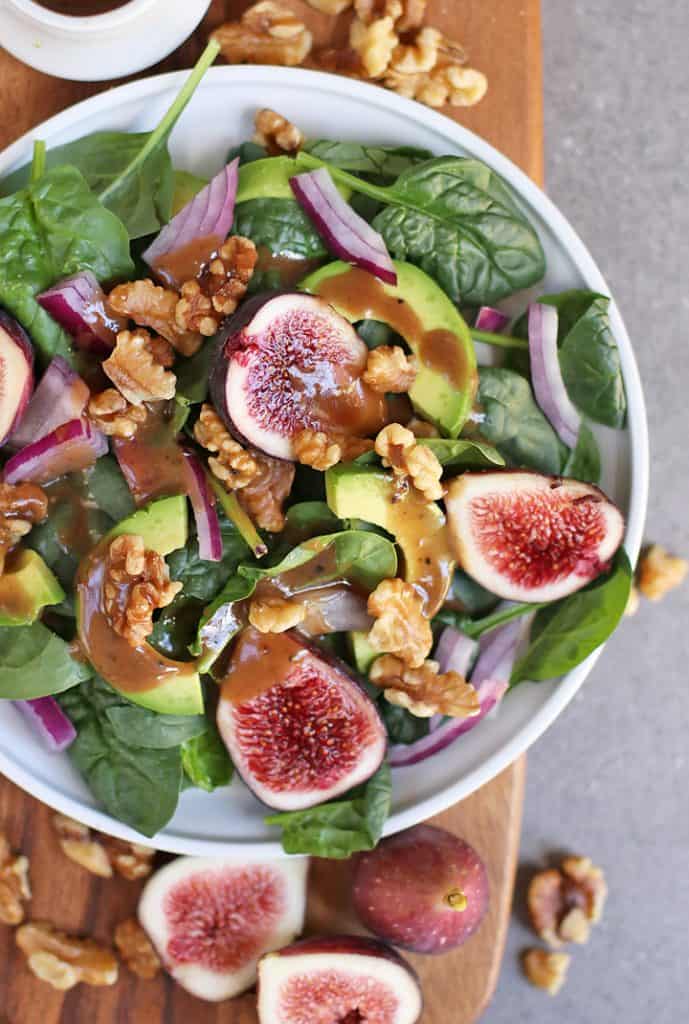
(503,39)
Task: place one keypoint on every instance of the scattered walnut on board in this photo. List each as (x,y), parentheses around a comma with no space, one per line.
(100,854)
(546,970)
(275,614)
(267,33)
(64,960)
(15,889)
(374,43)
(136,949)
(330,6)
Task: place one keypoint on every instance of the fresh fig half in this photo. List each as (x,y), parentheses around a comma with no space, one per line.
(211,919)
(16,373)
(529,537)
(337,980)
(287,361)
(299,729)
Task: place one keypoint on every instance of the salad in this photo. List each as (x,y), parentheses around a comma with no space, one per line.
(284,491)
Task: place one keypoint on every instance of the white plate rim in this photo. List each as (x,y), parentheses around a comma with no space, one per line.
(532,196)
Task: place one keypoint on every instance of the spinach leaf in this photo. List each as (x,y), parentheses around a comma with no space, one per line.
(375,333)
(137,784)
(152,730)
(342,827)
(589,357)
(175,628)
(514,423)
(457,220)
(130,172)
(475,628)
(402,727)
(49,230)
(35,662)
(247,152)
(201,579)
(187,186)
(566,632)
(461,452)
(108,488)
(193,374)
(470,594)
(584,461)
(281,226)
(206,761)
(383,162)
(310,518)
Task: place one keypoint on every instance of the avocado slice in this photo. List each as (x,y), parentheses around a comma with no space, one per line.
(269,179)
(420,311)
(186,186)
(26,587)
(174,686)
(363,654)
(418,526)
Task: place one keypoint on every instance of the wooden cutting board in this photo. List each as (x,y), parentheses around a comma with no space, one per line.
(503,38)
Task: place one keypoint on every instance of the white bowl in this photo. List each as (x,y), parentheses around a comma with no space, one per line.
(219,116)
(92,49)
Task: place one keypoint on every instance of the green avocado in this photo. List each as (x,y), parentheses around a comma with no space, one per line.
(418,526)
(26,587)
(420,311)
(186,187)
(363,654)
(269,179)
(175,685)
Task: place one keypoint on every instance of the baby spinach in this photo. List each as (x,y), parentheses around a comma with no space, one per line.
(108,488)
(563,634)
(35,662)
(470,594)
(584,461)
(461,452)
(310,518)
(49,230)
(457,220)
(380,162)
(401,726)
(514,423)
(201,579)
(342,827)
(130,172)
(136,782)
(205,760)
(281,226)
(160,732)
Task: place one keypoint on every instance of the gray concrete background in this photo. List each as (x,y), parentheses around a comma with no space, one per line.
(611,778)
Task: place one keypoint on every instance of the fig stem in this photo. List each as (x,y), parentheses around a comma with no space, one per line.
(456,900)
(502,340)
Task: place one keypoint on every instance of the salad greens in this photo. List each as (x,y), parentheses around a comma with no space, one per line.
(79,207)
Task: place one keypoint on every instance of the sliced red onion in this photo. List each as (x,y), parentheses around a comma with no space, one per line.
(343,230)
(80,306)
(203,503)
(60,396)
(546,375)
(208,215)
(490,677)
(490,319)
(67,449)
(455,651)
(50,722)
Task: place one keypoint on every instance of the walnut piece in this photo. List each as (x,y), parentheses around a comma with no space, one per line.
(264,496)
(64,960)
(137,582)
(319,450)
(660,572)
(564,902)
(131,860)
(150,305)
(133,368)
(21,507)
(275,614)
(390,369)
(398,449)
(458,86)
(113,415)
(224,281)
(267,33)
(371,10)
(233,465)
(412,15)
(424,691)
(14,884)
(400,628)
(374,43)
(136,949)
(330,6)
(77,843)
(420,55)
(546,970)
(276,133)
(194,310)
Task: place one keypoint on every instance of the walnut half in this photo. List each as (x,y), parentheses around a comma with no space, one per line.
(400,628)
(546,970)
(399,450)
(63,960)
(100,854)
(425,691)
(563,902)
(137,582)
(14,884)
(136,949)
(267,33)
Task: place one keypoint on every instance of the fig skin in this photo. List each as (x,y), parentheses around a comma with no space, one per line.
(13,402)
(424,890)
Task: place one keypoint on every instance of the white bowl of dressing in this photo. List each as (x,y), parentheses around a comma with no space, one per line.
(92,47)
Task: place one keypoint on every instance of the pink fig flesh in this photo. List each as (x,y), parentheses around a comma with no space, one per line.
(290,363)
(299,729)
(423,889)
(337,980)
(529,537)
(211,919)
(16,374)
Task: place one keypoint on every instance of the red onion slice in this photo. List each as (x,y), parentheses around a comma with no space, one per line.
(70,447)
(490,319)
(208,215)
(60,396)
(455,651)
(79,305)
(50,722)
(343,230)
(203,504)
(546,375)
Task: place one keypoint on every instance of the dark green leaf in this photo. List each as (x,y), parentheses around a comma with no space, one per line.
(193,373)
(402,727)
(374,333)
(566,632)
(342,827)
(514,423)
(34,662)
(281,225)
(247,152)
(206,761)
(138,729)
(451,453)
(584,462)
(474,598)
(201,579)
(384,162)
(309,519)
(108,488)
